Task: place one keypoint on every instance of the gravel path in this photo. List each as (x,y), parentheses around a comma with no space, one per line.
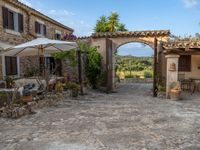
(128,120)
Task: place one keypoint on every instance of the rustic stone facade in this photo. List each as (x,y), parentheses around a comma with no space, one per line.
(30,16)
(72,72)
(28,64)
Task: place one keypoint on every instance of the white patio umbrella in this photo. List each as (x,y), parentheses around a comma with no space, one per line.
(40,46)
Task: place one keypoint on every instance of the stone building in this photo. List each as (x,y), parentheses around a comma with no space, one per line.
(18,24)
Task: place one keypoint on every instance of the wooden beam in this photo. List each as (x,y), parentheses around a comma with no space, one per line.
(155,89)
(80,71)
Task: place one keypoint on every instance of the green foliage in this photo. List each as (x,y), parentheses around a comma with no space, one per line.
(161,83)
(72,86)
(131,63)
(9,81)
(92,61)
(3,99)
(109,24)
(102,24)
(59,87)
(68,55)
(175,86)
(122,27)
(148,74)
(93,66)
(30,72)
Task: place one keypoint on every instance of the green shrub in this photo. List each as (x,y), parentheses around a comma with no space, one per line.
(72,86)
(148,74)
(3,99)
(130,76)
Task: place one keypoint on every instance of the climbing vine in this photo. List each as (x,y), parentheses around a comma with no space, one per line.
(67,55)
(92,61)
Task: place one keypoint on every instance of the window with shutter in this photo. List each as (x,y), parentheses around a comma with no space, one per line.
(12,20)
(40,29)
(5,17)
(58,36)
(184,63)
(11,65)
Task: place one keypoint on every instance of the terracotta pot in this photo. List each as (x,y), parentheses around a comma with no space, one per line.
(175,94)
(27,98)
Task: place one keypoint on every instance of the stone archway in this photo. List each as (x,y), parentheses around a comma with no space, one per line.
(108,43)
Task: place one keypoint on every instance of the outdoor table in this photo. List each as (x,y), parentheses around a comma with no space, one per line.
(196,83)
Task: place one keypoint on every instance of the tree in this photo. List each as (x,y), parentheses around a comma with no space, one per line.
(102,24)
(113,22)
(109,24)
(122,27)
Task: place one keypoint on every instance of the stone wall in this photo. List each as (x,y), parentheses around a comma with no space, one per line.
(72,72)
(28,63)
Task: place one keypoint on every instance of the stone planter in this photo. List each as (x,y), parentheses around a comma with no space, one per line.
(175,94)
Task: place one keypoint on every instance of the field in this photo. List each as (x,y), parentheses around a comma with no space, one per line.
(134,67)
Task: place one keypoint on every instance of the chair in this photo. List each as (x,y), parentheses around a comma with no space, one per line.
(187,85)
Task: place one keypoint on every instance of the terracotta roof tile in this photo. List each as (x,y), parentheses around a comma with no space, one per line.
(132,33)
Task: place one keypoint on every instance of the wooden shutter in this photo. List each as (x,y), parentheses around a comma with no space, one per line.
(185,63)
(10,20)
(14,65)
(36,27)
(8,65)
(5,17)
(11,65)
(21,23)
(45,30)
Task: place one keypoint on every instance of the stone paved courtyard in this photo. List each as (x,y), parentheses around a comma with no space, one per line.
(128,120)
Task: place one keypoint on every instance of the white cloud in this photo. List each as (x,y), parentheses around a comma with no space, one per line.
(134,46)
(60,13)
(26,2)
(190,3)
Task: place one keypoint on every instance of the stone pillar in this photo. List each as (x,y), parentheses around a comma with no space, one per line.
(172,71)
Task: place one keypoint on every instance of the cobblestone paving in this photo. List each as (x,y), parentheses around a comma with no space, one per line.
(128,120)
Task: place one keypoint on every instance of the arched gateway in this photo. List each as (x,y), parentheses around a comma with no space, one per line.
(108,43)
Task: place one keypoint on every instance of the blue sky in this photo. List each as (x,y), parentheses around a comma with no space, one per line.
(182,17)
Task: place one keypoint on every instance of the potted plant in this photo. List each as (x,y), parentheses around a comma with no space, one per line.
(9,82)
(175,91)
(74,89)
(59,87)
(161,91)
(27,96)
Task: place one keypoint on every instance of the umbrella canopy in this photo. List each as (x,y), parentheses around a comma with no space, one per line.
(40,46)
